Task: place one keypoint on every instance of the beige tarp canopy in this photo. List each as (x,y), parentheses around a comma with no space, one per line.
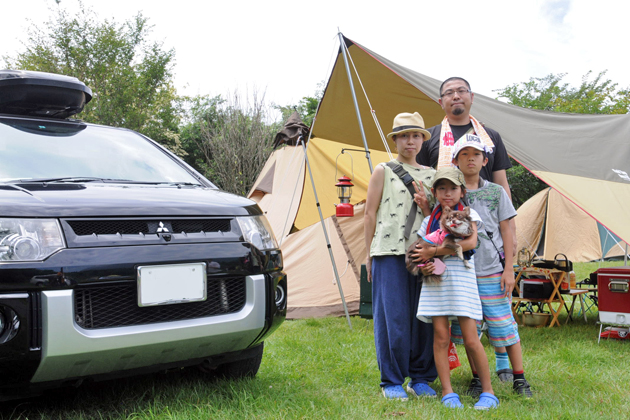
(584,157)
(548,224)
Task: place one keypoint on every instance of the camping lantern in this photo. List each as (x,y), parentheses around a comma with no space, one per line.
(344,191)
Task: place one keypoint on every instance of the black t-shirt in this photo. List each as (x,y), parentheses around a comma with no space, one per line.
(497,160)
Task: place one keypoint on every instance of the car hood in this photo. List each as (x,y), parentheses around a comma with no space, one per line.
(126,200)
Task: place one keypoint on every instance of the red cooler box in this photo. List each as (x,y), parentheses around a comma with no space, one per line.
(613,286)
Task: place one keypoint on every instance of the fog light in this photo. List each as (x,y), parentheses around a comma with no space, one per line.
(280,298)
(9,324)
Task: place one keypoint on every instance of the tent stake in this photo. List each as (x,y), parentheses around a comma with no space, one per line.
(356,104)
(332,258)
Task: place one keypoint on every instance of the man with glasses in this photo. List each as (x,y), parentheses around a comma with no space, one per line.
(456,99)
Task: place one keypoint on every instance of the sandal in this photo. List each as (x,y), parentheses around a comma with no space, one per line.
(452,400)
(395,392)
(420,389)
(486,401)
(505,375)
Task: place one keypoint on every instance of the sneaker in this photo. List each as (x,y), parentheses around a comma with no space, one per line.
(505,375)
(421,390)
(395,392)
(486,401)
(521,386)
(474,389)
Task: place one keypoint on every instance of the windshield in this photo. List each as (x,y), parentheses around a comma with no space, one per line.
(41,150)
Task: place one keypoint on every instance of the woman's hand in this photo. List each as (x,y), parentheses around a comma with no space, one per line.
(420,198)
(368,267)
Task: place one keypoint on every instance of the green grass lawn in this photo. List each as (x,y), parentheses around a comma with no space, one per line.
(321,369)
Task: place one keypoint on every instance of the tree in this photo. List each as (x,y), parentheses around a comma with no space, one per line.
(306,108)
(131,78)
(235,140)
(597,96)
(202,113)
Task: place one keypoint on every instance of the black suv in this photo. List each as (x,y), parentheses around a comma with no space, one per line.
(117,258)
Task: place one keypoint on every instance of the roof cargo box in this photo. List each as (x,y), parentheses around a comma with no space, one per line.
(41,94)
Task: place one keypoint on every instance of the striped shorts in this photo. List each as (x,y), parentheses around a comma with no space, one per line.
(497,313)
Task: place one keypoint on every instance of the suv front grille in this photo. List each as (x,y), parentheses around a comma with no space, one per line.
(117,305)
(134,227)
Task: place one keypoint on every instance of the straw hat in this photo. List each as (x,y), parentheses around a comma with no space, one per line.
(406,122)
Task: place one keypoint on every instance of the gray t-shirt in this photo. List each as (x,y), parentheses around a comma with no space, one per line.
(494,206)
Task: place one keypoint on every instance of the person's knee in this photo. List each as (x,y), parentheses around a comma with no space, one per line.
(471,342)
(441,340)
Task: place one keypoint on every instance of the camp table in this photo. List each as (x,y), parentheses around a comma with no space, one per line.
(556,277)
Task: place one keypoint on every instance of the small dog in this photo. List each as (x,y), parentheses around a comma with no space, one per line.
(454,224)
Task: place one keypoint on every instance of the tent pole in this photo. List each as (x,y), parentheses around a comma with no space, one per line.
(332,258)
(356,104)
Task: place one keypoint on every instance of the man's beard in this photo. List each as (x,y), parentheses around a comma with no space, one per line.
(458,111)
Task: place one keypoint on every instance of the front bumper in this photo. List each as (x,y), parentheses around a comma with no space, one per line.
(50,348)
(84,353)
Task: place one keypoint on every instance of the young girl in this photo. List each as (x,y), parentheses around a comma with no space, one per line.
(456,295)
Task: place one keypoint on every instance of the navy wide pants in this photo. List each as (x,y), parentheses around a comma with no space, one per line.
(404,344)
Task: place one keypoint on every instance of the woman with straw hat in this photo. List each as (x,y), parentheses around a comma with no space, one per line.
(404,345)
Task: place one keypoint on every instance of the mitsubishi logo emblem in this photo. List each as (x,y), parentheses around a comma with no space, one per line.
(161,228)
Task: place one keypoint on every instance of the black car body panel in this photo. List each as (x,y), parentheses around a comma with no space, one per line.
(86,200)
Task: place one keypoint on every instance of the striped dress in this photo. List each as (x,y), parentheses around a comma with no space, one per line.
(457,294)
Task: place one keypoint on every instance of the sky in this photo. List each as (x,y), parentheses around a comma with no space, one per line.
(284,49)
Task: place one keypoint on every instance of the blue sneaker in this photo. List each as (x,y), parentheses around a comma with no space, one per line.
(421,390)
(395,392)
(487,401)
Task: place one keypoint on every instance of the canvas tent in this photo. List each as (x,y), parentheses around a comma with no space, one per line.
(312,291)
(584,157)
(549,224)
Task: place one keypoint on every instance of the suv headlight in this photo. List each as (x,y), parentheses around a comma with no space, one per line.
(256,231)
(29,239)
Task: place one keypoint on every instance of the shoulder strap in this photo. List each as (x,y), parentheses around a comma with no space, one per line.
(407,179)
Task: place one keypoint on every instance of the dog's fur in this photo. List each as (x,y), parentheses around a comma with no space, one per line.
(457,224)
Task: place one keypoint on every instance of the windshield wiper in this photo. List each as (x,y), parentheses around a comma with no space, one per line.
(185,184)
(72,179)
(96,179)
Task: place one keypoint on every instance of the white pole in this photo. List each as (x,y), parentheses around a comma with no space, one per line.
(332,258)
(356,104)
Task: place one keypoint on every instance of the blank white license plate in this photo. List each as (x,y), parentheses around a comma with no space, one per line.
(170,284)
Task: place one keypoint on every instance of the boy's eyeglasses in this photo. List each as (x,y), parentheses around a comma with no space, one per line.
(449,93)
